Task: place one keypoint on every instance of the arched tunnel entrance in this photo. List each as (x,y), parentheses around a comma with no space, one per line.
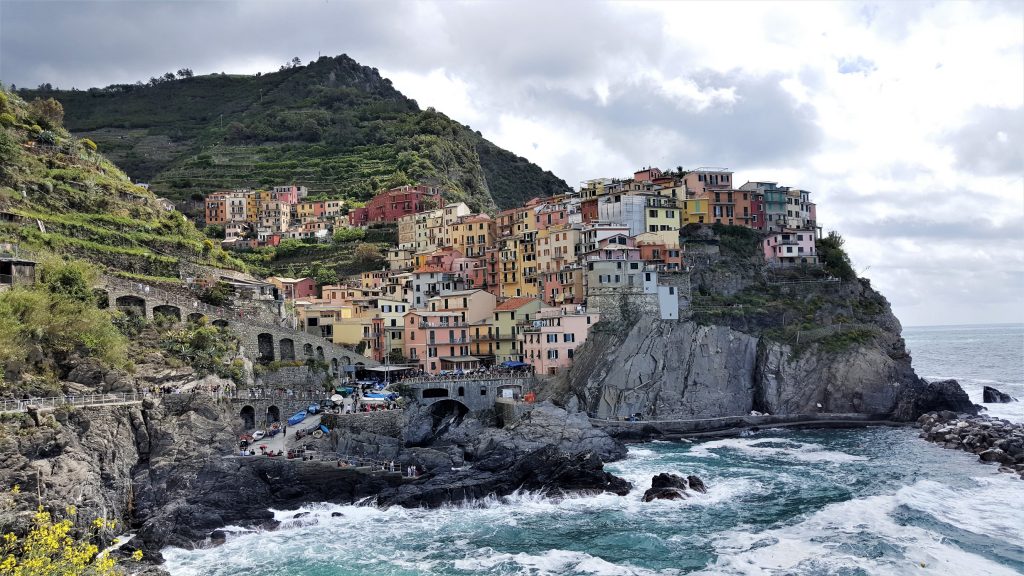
(248,415)
(167,311)
(446,414)
(132,305)
(273,415)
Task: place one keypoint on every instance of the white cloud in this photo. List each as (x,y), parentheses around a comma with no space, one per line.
(903,118)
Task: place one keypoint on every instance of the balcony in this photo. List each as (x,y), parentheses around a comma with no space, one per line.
(452,324)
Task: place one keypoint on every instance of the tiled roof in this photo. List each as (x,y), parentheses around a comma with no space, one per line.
(515,303)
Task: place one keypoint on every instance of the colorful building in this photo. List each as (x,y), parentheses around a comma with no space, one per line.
(393,204)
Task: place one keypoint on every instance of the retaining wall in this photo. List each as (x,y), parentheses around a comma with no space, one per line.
(734,425)
(384,423)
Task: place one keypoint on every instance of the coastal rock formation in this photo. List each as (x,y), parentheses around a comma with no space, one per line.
(667,486)
(992,439)
(814,347)
(990,395)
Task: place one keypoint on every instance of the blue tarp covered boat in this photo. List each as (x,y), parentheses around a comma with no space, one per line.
(313,408)
(296,418)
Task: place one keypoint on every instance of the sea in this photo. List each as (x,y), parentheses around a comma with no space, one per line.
(867,501)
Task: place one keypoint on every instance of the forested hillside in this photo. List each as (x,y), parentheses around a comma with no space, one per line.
(332,125)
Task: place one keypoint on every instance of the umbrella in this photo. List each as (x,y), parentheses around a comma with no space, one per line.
(337,398)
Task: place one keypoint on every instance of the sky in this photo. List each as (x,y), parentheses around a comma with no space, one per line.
(904,119)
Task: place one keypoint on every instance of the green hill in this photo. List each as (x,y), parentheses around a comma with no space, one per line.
(333,125)
(57,194)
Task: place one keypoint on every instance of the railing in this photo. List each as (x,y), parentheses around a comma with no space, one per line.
(71,400)
(456,324)
(501,379)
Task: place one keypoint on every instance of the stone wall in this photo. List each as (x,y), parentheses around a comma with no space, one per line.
(622,308)
(383,423)
(295,377)
(253,325)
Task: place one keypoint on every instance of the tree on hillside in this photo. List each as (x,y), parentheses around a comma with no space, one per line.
(168,77)
(47,113)
(834,258)
(185,73)
(368,253)
(296,62)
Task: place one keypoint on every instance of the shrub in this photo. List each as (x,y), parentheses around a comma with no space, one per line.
(89,144)
(342,235)
(47,137)
(48,113)
(50,548)
(834,258)
(7,119)
(8,148)
(217,295)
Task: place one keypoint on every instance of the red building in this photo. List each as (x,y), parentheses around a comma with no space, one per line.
(589,210)
(391,205)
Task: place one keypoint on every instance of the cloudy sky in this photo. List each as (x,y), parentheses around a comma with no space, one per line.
(905,119)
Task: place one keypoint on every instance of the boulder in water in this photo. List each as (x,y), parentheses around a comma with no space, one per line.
(218,537)
(990,395)
(666,486)
(666,480)
(696,484)
(665,494)
(996,455)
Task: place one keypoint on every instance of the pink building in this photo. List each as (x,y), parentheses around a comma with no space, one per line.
(790,247)
(437,341)
(289,194)
(549,341)
(294,288)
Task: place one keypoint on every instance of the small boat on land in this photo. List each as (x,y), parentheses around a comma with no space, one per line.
(258,435)
(313,408)
(297,417)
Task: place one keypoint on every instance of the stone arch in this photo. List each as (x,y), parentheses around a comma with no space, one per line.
(133,305)
(196,318)
(319,352)
(287,349)
(168,311)
(220,323)
(102,298)
(273,414)
(346,360)
(248,415)
(446,413)
(334,366)
(462,391)
(307,349)
(265,345)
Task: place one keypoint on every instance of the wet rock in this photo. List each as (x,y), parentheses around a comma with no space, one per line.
(665,494)
(696,484)
(300,515)
(218,537)
(995,455)
(666,480)
(990,395)
(337,515)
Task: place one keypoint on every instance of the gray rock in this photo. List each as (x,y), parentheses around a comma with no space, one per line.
(991,395)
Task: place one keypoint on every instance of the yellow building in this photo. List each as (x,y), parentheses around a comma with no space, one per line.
(695,211)
(661,214)
(505,327)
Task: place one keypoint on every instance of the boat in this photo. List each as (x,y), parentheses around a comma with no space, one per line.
(273,432)
(297,417)
(313,408)
(258,435)
(325,429)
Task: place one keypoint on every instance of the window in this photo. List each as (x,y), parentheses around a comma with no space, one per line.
(568,337)
(647,276)
(570,352)
(653,213)
(483,391)
(636,265)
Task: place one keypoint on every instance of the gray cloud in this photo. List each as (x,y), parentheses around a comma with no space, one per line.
(763,126)
(991,143)
(915,227)
(856,65)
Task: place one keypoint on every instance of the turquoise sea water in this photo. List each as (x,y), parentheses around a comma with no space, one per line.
(848,502)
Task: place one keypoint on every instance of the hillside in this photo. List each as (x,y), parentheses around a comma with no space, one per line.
(333,125)
(57,194)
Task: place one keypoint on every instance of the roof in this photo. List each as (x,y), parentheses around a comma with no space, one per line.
(285,280)
(458,359)
(515,303)
(422,269)
(456,293)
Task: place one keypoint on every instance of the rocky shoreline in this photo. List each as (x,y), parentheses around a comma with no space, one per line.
(994,440)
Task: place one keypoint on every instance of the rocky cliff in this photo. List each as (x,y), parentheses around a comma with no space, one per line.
(752,339)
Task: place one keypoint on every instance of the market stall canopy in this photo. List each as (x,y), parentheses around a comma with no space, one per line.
(390,368)
(514,364)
